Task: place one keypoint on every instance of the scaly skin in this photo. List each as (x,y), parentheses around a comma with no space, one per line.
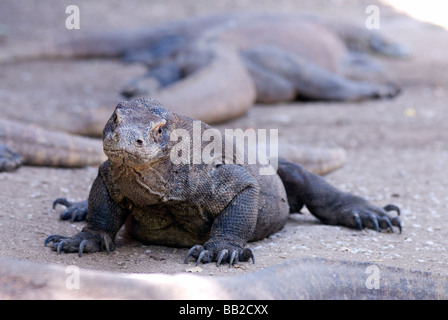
(214,207)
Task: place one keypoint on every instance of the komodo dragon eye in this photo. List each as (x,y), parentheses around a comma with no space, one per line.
(159,130)
(115,119)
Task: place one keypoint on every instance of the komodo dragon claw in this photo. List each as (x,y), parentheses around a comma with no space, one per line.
(82,242)
(377,220)
(204,255)
(395,221)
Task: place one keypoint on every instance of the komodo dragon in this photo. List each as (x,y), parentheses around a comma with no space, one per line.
(22,143)
(214,68)
(164,196)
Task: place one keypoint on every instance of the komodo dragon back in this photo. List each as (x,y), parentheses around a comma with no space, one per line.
(40,147)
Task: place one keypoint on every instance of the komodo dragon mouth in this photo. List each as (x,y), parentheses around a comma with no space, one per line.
(120,152)
(126,155)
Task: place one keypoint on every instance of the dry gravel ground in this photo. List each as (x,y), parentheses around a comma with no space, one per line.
(397,149)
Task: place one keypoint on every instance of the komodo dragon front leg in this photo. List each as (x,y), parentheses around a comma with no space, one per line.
(105,219)
(234,202)
(235,223)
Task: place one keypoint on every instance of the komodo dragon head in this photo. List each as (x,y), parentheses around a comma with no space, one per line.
(137,133)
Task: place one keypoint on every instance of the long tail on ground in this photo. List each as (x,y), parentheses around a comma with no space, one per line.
(318,160)
(312,278)
(42,147)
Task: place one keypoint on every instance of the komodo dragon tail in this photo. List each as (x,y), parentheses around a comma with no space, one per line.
(318,160)
(41,147)
(21,52)
(296,279)
(96,45)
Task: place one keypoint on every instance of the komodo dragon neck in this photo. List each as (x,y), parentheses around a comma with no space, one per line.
(146,185)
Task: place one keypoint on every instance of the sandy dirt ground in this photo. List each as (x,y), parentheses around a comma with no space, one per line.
(397,149)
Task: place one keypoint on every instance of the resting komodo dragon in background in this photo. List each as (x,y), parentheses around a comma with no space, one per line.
(214,68)
(215,206)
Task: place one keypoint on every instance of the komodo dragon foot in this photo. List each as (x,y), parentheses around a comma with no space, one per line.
(76,211)
(359,214)
(85,241)
(9,160)
(220,253)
